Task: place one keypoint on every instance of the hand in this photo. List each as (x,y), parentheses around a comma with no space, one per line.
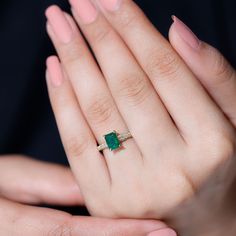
(28,181)
(180,135)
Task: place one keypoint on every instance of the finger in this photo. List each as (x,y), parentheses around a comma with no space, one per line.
(80,145)
(163,232)
(96,226)
(34,182)
(209,66)
(184,97)
(134,95)
(17,219)
(93,95)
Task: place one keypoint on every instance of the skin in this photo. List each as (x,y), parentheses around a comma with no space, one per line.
(186,135)
(212,209)
(25,182)
(55,184)
(152,80)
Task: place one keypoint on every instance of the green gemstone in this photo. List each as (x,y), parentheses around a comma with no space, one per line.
(112,141)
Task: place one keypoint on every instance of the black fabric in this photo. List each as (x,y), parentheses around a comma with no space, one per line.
(27,124)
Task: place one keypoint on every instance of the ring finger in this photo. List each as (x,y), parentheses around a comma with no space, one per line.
(133,92)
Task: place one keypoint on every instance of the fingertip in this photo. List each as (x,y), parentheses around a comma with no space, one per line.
(54,70)
(47,74)
(51,10)
(172,31)
(173,17)
(48,63)
(185,33)
(53,59)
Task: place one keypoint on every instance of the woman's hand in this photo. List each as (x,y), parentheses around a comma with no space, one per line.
(25,181)
(180,135)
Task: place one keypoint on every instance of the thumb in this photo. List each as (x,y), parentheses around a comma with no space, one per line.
(30,181)
(208,64)
(18,219)
(117,227)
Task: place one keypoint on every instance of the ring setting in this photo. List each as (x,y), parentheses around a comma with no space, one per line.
(114,140)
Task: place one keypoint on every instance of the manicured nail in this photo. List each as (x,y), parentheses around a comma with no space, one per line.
(59,24)
(163,232)
(186,33)
(54,70)
(110,5)
(85,10)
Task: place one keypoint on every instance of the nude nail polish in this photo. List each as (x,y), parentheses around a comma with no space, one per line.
(110,5)
(54,71)
(59,24)
(186,33)
(85,10)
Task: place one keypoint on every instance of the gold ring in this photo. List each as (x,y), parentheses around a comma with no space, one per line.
(113,140)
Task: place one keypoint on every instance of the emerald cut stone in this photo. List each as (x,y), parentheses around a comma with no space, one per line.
(112,141)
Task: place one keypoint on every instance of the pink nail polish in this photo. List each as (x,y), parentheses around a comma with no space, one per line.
(186,33)
(163,232)
(85,10)
(54,70)
(59,24)
(110,5)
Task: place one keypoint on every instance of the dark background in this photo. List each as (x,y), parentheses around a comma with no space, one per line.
(27,124)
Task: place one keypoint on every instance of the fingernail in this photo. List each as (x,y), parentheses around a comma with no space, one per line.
(54,71)
(163,232)
(110,5)
(85,10)
(186,33)
(59,24)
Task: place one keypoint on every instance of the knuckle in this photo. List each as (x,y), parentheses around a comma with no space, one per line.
(76,146)
(222,146)
(73,54)
(218,66)
(228,148)
(164,64)
(127,20)
(99,34)
(222,70)
(100,110)
(62,104)
(134,89)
